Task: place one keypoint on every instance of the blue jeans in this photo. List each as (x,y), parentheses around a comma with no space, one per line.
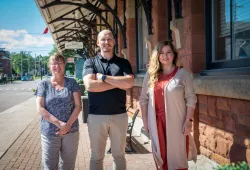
(63,147)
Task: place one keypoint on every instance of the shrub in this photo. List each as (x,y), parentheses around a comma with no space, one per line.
(79,81)
(233,166)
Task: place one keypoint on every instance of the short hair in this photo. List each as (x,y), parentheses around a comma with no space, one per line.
(57,57)
(103,32)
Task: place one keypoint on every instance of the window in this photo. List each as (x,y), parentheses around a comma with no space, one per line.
(228,33)
(141,33)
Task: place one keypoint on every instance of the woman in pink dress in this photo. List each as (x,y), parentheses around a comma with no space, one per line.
(167,104)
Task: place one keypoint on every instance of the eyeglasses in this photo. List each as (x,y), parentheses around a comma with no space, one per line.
(104,40)
(55,64)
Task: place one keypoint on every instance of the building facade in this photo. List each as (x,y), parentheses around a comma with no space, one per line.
(5,62)
(212,38)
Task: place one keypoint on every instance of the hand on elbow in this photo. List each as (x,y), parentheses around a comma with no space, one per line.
(130,84)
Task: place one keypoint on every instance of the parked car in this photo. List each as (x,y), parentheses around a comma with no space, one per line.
(71,76)
(48,75)
(27,78)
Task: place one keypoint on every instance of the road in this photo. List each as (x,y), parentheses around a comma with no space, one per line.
(16,93)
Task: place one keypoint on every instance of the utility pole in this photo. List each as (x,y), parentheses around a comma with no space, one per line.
(35,65)
(40,66)
(21,64)
(28,65)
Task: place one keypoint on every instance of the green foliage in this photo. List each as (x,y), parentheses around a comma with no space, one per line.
(79,81)
(54,50)
(85,93)
(22,61)
(233,166)
(67,54)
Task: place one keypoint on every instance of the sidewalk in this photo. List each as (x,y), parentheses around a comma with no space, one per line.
(25,150)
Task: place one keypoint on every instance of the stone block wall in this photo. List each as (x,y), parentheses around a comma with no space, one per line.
(221,125)
(224,128)
(135,101)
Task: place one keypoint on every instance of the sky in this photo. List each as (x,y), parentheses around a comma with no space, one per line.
(22,26)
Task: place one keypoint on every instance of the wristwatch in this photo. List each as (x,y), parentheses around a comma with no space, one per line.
(190,119)
(103,77)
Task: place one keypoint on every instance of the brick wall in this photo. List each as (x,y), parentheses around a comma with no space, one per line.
(6,68)
(224,128)
(192,54)
(160,21)
(221,125)
(136,94)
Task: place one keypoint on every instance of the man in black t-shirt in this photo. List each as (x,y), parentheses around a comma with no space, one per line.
(106,77)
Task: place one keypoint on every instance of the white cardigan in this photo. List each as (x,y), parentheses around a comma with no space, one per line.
(178,95)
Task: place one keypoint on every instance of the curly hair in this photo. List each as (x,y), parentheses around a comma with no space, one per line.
(155,67)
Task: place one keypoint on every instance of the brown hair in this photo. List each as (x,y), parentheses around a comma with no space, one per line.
(57,57)
(155,67)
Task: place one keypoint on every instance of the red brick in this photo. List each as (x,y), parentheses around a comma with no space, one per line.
(243,119)
(246,142)
(223,134)
(211,144)
(222,104)
(202,99)
(240,106)
(212,106)
(197,6)
(202,128)
(219,158)
(205,151)
(186,8)
(198,43)
(203,109)
(202,139)
(187,25)
(223,146)
(243,131)
(212,121)
(221,115)
(199,62)
(198,23)
(230,123)
(210,132)
(248,155)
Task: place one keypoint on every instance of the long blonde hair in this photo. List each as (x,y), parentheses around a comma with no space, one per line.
(155,67)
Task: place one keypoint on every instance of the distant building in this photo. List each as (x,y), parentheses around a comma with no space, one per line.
(5,62)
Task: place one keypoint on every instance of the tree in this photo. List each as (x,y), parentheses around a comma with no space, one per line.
(68,53)
(22,62)
(54,50)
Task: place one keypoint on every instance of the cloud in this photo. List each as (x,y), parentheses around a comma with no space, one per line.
(22,40)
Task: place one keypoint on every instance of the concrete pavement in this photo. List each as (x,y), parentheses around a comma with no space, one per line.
(21,149)
(13,122)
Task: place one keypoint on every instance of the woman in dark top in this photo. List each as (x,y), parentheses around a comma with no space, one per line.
(59,103)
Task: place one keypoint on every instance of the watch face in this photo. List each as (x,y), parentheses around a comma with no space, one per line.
(103,77)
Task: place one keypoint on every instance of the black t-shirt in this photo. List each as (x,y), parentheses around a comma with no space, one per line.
(112,101)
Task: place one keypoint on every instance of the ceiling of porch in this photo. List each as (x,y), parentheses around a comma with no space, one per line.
(78,20)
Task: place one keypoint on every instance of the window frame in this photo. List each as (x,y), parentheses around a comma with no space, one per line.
(225,64)
(138,70)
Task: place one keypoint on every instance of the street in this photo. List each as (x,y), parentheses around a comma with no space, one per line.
(16,93)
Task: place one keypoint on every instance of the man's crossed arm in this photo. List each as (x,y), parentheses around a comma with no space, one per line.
(92,84)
